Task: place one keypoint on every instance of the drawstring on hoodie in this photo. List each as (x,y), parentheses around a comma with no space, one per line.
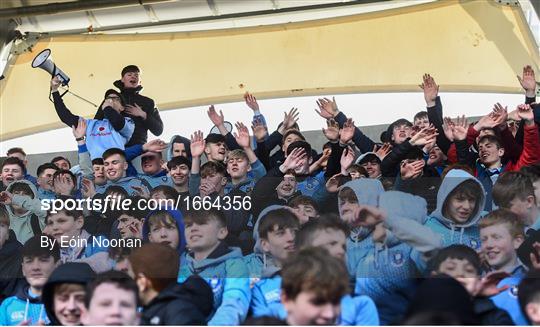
(461,235)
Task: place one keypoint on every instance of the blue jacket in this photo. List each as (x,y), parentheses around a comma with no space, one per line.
(13,308)
(508,299)
(467,233)
(227,274)
(100,136)
(179,219)
(158,179)
(355,311)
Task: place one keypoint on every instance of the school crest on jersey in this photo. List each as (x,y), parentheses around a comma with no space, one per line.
(474,244)
(397,258)
(513,291)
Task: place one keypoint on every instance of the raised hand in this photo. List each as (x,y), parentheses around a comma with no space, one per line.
(332,130)
(242,137)
(426,135)
(207,188)
(460,128)
(88,188)
(63,185)
(347,158)
(259,130)
(528,81)
(535,257)
(136,111)
(290,119)
(251,101)
(448,128)
(431,89)
(332,185)
(327,108)
(216,119)
(499,115)
(525,112)
(80,130)
(411,170)
(487,286)
(55,83)
(154,146)
(6,198)
(347,132)
(382,151)
(197,144)
(294,160)
(368,216)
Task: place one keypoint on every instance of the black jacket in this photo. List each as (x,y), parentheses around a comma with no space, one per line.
(189,303)
(70,272)
(153,121)
(490,315)
(10,267)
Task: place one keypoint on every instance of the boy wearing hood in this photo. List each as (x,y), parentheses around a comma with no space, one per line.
(25,214)
(107,130)
(165,226)
(63,294)
(140,108)
(460,201)
(222,267)
(165,302)
(26,306)
(179,146)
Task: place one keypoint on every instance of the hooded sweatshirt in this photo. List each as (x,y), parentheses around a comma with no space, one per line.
(16,308)
(226,273)
(355,311)
(189,303)
(67,273)
(452,232)
(127,183)
(22,225)
(178,218)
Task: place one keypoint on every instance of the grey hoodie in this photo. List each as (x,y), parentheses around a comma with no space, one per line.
(452,232)
(21,225)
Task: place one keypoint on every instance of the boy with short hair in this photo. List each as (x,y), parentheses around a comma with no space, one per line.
(515,192)
(155,270)
(26,306)
(221,266)
(533,172)
(111,299)
(13,169)
(21,155)
(502,233)
(165,226)
(131,221)
(115,171)
(179,168)
(305,208)
(99,171)
(63,294)
(45,173)
(312,287)
(66,226)
(421,120)
(275,233)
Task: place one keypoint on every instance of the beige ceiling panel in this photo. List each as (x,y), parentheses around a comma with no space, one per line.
(467,45)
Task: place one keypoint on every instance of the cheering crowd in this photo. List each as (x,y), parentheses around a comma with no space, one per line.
(436,223)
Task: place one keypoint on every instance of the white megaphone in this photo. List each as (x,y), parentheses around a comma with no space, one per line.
(44,61)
